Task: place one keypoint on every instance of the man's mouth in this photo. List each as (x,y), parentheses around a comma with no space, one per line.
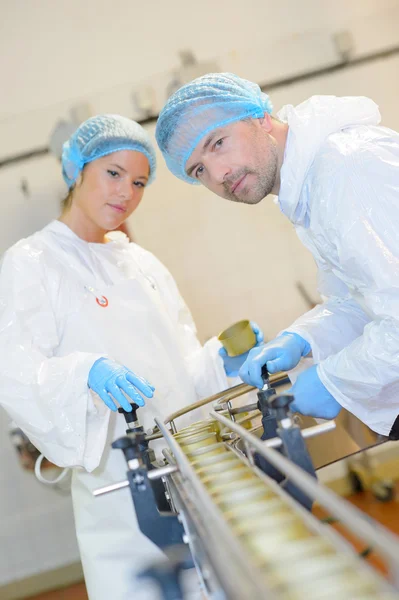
(237,184)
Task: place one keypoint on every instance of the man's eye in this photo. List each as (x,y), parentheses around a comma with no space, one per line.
(199,171)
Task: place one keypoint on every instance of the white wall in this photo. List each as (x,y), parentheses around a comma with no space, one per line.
(230,261)
(62,50)
(235,261)
(36,524)
(59,53)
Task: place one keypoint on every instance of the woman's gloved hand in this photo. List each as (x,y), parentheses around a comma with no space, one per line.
(282,354)
(107,378)
(232,364)
(311,397)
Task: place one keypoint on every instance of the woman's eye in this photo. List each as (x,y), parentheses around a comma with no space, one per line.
(113,173)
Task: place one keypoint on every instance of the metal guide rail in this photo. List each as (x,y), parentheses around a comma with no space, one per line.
(292,553)
(247,519)
(225,397)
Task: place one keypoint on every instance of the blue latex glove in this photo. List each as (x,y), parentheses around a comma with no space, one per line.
(232,364)
(107,377)
(311,398)
(282,354)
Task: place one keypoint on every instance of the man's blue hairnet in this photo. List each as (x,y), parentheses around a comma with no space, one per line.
(197,108)
(102,135)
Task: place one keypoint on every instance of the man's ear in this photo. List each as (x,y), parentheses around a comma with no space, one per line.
(266,122)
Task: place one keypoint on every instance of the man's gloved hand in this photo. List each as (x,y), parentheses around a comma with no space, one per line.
(232,364)
(311,398)
(282,354)
(107,378)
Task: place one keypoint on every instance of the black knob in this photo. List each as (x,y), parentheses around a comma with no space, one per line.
(265,374)
(137,438)
(126,445)
(131,416)
(130,445)
(123,443)
(280,405)
(264,400)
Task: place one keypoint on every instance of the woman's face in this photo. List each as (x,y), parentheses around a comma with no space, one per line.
(112,188)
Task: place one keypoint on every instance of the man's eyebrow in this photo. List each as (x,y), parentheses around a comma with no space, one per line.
(207,142)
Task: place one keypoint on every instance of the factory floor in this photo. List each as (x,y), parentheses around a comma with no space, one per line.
(386,513)
(73,592)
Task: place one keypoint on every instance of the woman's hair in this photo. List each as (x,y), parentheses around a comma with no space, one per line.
(66,202)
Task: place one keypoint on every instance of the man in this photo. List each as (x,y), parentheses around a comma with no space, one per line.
(336,175)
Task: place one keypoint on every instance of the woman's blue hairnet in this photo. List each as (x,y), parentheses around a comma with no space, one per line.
(102,135)
(197,108)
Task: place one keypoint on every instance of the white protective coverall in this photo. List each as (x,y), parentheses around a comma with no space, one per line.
(64,304)
(340,189)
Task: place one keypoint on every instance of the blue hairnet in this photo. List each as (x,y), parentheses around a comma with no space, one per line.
(102,135)
(197,108)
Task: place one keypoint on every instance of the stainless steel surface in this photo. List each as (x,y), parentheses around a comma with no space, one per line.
(224,396)
(152,475)
(199,501)
(226,552)
(242,409)
(240,580)
(340,444)
(307,433)
(108,489)
(235,392)
(153,436)
(350,436)
(377,536)
(161,472)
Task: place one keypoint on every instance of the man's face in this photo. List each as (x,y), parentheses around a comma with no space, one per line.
(238,162)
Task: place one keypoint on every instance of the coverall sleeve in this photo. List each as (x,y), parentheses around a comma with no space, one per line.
(45,395)
(202,361)
(364,376)
(333,324)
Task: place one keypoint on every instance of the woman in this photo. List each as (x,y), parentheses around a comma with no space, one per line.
(87,320)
